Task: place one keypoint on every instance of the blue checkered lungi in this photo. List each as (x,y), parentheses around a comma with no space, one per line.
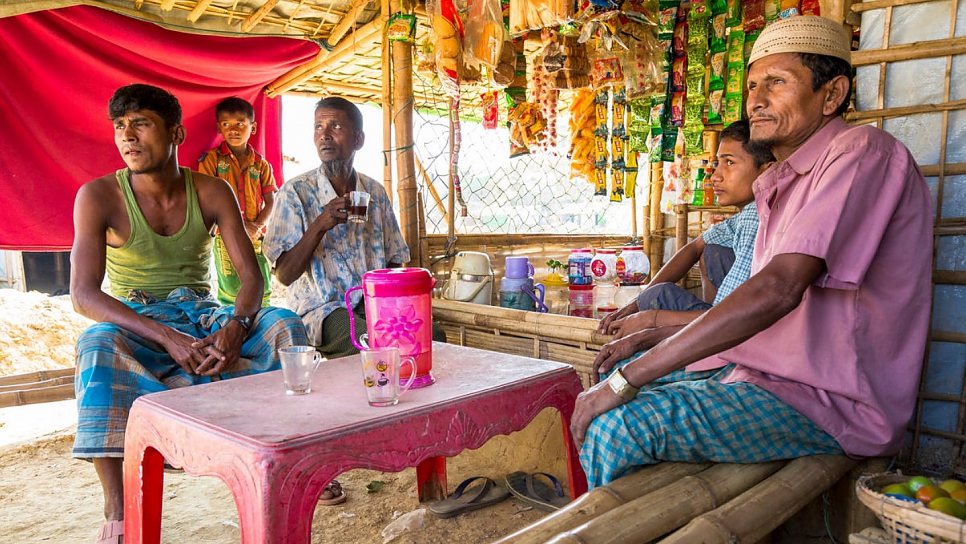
(692,417)
(116,366)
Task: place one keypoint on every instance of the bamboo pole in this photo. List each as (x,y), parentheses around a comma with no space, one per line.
(888,113)
(451,197)
(258,15)
(519,240)
(386,105)
(402,102)
(40,375)
(910,51)
(680,226)
(346,47)
(664,510)
(564,327)
(656,219)
(167,5)
(603,499)
(757,512)
(880,4)
(34,396)
(199,10)
(37,385)
(432,190)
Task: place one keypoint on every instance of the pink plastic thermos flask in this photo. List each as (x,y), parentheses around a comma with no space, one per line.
(399,312)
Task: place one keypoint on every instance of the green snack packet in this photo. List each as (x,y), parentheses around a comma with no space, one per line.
(732,109)
(736,45)
(401,27)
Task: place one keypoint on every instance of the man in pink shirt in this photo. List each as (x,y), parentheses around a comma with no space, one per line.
(824,343)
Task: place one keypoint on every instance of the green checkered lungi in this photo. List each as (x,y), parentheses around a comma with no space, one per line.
(692,417)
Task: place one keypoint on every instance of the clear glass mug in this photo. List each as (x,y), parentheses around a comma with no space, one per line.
(299,364)
(358,206)
(380,372)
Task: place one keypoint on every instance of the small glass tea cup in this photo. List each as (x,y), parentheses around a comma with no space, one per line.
(299,364)
(358,206)
(380,372)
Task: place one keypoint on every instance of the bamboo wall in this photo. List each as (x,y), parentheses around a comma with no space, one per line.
(909,71)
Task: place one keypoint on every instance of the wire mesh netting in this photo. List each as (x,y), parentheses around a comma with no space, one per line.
(526,194)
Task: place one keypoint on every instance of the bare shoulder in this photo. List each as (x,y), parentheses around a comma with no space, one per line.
(104,192)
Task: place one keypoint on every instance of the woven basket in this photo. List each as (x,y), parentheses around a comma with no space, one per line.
(908,522)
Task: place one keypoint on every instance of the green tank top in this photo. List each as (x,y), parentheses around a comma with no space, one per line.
(159,264)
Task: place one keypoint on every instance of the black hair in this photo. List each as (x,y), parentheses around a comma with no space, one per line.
(740,131)
(236,105)
(145,97)
(824,69)
(341,104)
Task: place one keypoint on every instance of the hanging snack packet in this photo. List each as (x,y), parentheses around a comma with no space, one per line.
(753,15)
(772,9)
(601,150)
(733,17)
(736,46)
(491,109)
(809,7)
(789,9)
(402,27)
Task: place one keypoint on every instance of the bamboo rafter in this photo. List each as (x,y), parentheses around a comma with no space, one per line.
(258,15)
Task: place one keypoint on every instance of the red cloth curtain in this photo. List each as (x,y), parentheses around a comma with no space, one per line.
(58,70)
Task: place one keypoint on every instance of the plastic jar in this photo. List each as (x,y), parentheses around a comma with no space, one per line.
(582,300)
(633,265)
(578,267)
(604,298)
(557,297)
(626,293)
(604,265)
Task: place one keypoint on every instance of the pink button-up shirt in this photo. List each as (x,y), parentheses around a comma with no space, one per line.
(850,355)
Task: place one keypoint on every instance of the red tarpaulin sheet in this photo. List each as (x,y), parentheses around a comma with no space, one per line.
(58,70)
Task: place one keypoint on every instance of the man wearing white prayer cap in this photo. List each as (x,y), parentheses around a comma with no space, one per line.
(824,342)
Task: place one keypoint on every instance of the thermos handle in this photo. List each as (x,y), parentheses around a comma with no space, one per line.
(541,307)
(352,321)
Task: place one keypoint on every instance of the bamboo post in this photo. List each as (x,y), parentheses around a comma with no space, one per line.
(386,106)
(757,512)
(451,198)
(603,499)
(656,219)
(665,509)
(680,226)
(402,64)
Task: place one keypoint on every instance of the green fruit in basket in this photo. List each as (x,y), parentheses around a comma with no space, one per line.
(918,481)
(898,489)
(948,506)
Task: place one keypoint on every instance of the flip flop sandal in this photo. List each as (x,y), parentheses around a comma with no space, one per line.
(466,499)
(111,532)
(535,492)
(338,494)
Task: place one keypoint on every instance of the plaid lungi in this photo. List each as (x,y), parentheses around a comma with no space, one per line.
(116,366)
(692,417)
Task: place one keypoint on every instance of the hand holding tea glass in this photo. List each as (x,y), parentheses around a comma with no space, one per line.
(358,206)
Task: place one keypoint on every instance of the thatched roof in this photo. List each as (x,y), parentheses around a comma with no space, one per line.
(350,33)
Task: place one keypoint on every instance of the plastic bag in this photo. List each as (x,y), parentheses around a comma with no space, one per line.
(485,33)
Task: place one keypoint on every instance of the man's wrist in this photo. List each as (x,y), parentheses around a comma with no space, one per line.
(245,321)
(620,386)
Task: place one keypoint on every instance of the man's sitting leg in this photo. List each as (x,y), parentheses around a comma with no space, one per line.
(698,421)
(336,337)
(669,296)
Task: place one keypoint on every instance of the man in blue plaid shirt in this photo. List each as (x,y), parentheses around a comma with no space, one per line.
(725,251)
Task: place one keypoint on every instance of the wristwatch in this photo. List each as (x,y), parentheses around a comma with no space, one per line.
(245,321)
(618,384)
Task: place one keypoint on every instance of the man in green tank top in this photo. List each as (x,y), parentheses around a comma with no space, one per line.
(148,227)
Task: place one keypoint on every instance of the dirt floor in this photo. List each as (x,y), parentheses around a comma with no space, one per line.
(46,496)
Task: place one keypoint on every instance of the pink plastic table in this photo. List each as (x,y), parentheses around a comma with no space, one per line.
(277,452)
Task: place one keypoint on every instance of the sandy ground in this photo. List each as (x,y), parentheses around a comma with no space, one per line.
(48,497)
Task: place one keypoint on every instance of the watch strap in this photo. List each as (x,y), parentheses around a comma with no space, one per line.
(244,321)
